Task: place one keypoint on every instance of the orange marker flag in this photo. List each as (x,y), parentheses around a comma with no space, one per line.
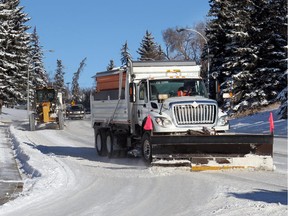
(271,121)
(148,124)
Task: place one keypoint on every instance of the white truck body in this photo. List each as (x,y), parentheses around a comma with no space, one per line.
(119,110)
(162,109)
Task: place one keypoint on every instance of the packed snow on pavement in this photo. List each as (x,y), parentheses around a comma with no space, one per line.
(63,176)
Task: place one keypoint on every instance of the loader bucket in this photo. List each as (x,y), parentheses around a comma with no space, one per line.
(212,152)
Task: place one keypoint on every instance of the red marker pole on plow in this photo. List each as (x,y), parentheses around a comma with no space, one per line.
(271,121)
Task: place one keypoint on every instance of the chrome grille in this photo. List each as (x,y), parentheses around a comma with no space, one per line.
(188,114)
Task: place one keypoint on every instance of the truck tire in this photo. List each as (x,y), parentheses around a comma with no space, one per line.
(110,144)
(99,142)
(146,147)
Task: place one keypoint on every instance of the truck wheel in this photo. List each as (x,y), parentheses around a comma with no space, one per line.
(146,147)
(110,144)
(99,144)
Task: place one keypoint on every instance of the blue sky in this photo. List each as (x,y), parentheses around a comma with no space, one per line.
(98,29)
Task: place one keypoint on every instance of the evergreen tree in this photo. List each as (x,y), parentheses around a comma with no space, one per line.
(246,41)
(238,60)
(282,18)
(160,54)
(271,40)
(59,84)
(111,65)
(215,33)
(282,97)
(148,49)
(218,39)
(75,85)
(125,55)
(38,74)
(4,16)
(14,48)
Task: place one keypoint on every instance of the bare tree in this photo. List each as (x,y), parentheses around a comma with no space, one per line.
(184,45)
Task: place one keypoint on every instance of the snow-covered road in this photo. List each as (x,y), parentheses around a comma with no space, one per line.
(64,176)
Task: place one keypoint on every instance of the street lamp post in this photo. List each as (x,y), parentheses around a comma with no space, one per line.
(28,78)
(68,90)
(208,59)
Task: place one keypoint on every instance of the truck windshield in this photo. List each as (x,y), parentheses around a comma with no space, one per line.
(177,87)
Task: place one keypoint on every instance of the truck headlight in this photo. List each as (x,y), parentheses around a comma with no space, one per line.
(223,120)
(164,122)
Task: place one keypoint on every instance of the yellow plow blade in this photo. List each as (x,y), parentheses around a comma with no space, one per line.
(254,162)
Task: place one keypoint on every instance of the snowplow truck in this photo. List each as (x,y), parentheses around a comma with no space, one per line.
(47,108)
(162,110)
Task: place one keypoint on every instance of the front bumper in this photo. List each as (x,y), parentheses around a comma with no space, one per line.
(75,115)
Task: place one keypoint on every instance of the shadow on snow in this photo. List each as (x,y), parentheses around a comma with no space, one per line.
(87,153)
(278,197)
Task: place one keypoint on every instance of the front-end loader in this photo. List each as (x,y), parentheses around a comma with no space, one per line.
(47,108)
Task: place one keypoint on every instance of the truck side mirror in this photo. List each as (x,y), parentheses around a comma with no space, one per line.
(132,94)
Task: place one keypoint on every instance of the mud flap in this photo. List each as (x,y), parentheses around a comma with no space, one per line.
(209,151)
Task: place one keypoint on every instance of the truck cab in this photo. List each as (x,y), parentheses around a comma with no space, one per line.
(177,102)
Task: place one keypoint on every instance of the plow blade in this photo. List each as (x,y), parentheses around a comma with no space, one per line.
(212,152)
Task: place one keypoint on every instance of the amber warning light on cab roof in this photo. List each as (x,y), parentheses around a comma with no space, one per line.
(174,70)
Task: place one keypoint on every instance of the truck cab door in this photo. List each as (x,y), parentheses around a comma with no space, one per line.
(142,105)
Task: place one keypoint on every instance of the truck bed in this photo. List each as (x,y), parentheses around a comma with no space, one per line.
(109,111)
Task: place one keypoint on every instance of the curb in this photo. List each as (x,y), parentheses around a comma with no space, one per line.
(11,182)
